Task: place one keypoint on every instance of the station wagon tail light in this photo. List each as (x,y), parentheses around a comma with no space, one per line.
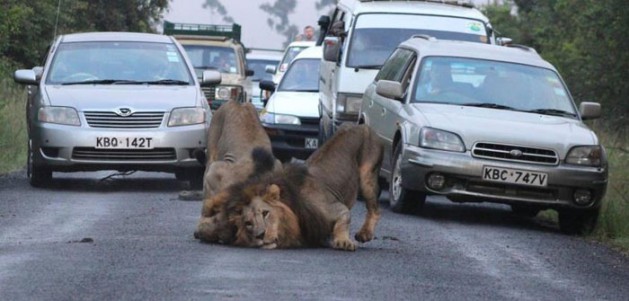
(186,116)
(59,115)
(588,155)
(439,139)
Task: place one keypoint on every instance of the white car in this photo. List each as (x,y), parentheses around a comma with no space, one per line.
(291,115)
(484,123)
(291,51)
(261,61)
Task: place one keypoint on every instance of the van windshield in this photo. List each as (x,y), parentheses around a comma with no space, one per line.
(375,37)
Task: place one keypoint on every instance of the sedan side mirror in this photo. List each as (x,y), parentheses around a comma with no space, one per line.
(270,69)
(267,85)
(389,89)
(25,76)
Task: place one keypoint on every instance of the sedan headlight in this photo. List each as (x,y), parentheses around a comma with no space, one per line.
(588,155)
(186,116)
(228,93)
(438,139)
(59,115)
(272,118)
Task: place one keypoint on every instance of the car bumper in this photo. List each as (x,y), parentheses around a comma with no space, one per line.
(293,140)
(69,148)
(463,174)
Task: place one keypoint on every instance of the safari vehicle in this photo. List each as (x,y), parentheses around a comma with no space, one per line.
(291,115)
(216,47)
(115,101)
(360,35)
(476,122)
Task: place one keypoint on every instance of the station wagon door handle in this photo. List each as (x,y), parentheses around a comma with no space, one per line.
(383,112)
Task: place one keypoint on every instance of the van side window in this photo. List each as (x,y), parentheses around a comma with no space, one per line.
(395,66)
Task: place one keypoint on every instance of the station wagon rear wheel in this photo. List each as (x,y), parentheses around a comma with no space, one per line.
(403,200)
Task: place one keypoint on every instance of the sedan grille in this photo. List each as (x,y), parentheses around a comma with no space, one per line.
(137,120)
(515,153)
(157,154)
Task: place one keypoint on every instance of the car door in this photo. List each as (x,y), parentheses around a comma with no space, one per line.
(383,113)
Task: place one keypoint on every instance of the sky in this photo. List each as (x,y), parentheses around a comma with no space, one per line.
(255,31)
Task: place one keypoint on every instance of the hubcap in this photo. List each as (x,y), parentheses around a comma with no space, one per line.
(396,182)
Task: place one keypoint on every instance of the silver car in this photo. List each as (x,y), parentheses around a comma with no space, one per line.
(489,123)
(115,101)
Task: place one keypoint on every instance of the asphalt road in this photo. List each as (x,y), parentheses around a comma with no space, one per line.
(89,237)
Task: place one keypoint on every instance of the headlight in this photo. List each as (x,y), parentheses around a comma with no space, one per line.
(589,155)
(228,92)
(272,118)
(348,103)
(438,139)
(60,115)
(186,116)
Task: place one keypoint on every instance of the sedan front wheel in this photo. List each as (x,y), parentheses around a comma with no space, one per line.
(403,200)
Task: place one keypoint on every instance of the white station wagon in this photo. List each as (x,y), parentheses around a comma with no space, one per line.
(477,122)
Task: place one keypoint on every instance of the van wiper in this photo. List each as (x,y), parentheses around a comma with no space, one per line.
(166,82)
(554,112)
(490,105)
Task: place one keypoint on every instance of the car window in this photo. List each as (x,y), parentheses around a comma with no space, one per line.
(117,61)
(259,69)
(395,66)
(302,76)
(375,36)
(475,81)
(222,59)
(290,54)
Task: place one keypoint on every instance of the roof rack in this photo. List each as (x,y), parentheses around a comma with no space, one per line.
(208,30)
(423,36)
(463,3)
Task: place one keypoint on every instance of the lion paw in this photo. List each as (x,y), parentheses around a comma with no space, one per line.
(344,244)
(269,246)
(364,236)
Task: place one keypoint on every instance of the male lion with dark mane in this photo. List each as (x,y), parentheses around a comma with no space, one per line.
(309,204)
(238,147)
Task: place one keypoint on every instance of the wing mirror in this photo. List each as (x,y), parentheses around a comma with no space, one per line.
(502,41)
(270,69)
(249,72)
(25,76)
(331,49)
(267,85)
(210,77)
(389,89)
(590,110)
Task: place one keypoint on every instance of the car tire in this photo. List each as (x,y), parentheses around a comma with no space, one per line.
(193,176)
(523,210)
(38,175)
(402,200)
(577,222)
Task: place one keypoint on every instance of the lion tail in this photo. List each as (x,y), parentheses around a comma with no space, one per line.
(263,161)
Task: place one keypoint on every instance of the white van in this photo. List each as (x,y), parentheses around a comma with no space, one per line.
(361,34)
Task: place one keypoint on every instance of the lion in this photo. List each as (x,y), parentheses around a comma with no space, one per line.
(309,205)
(238,147)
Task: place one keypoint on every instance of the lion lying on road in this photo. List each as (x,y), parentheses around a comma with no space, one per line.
(309,205)
(234,137)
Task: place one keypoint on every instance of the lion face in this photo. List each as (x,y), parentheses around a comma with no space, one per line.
(258,221)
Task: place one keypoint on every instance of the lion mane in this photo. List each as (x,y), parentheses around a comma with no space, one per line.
(309,204)
(238,148)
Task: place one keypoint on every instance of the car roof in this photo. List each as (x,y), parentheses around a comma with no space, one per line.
(413,7)
(116,36)
(313,52)
(264,54)
(514,53)
(301,44)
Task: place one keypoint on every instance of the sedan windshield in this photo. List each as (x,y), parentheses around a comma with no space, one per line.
(492,84)
(111,63)
(302,76)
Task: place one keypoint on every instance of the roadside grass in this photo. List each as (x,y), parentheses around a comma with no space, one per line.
(13,136)
(613,221)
